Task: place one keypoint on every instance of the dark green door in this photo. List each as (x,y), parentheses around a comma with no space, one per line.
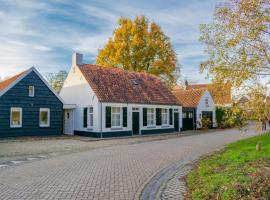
(188,120)
(176,121)
(136,123)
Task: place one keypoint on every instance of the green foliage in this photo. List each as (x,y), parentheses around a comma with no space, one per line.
(220,175)
(57,80)
(138,45)
(230,117)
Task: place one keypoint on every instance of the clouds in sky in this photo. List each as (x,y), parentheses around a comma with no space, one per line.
(45,33)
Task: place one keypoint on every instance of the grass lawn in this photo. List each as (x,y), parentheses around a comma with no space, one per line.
(237,172)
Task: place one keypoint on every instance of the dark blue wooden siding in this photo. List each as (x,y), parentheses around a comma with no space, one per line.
(18,96)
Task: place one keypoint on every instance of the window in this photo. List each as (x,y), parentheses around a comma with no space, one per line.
(116,116)
(184,115)
(91,116)
(31,90)
(16,117)
(150,116)
(206,102)
(44,117)
(190,115)
(164,116)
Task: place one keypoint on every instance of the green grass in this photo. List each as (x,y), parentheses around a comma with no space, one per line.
(219,176)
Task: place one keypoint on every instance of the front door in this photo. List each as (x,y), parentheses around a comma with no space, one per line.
(136,123)
(176,121)
(68,128)
(188,120)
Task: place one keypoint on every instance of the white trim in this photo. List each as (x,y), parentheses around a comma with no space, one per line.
(12,109)
(49,117)
(32,69)
(88,117)
(33,89)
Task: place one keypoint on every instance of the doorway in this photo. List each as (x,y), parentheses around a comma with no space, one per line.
(68,122)
(136,123)
(176,121)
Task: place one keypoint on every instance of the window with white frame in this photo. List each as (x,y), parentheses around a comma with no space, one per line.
(190,115)
(31,90)
(44,117)
(116,116)
(150,116)
(16,117)
(164,116)
(206,102)
(91,116)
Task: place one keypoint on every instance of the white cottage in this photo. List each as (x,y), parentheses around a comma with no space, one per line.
(109,102)
(197,105)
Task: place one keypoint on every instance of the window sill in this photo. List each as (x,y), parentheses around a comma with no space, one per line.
(15,126)
(165,126)
(44,126)
(116,128)
(151,127)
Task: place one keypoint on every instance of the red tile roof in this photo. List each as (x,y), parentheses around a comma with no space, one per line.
(121,86)
(4,84)
(188,98)
(221,94)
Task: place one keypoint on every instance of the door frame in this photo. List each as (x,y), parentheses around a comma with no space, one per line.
(72,124)
(136,111)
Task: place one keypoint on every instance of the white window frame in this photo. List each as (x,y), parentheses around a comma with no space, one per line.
(151,117)
(15,109)
(116,113)
(163,113)
(91,116)
(49,117)
(33,89)
(190,115)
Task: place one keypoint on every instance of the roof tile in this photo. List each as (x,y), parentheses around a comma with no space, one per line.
(117,85)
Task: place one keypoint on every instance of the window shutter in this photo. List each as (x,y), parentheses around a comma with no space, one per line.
(108,117)
(171,116)
(84,117)
(158,116)
(124,116)
(144,116)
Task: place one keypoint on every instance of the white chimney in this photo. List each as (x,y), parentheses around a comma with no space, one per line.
(77,59)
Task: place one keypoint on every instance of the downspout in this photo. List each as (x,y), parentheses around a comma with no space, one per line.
(101,132)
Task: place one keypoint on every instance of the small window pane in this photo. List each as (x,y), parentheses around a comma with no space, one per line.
(116,116)
(16,117)
(164,116)
(91,116)
(31,91)
(190,115)
(44,117)
(150,116)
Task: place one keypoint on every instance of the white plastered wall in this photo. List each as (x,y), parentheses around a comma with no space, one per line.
(202,106)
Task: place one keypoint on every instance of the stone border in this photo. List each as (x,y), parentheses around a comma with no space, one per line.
(166,184)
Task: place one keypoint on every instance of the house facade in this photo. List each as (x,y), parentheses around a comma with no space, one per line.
(108,102)
(198,108)
(221,93)
(29,106)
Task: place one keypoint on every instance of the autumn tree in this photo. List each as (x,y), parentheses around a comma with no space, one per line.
(237,44)
(56,80)
(141,46)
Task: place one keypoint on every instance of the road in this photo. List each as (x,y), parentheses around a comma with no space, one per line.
(116,172)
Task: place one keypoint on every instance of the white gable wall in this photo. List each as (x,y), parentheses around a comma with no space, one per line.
(76,90)
(202,106)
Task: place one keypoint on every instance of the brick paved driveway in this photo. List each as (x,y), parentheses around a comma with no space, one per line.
(116,172)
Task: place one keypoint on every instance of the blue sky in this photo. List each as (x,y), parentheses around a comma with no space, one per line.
(45,33)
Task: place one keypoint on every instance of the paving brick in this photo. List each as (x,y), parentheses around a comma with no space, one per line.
(115,172)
